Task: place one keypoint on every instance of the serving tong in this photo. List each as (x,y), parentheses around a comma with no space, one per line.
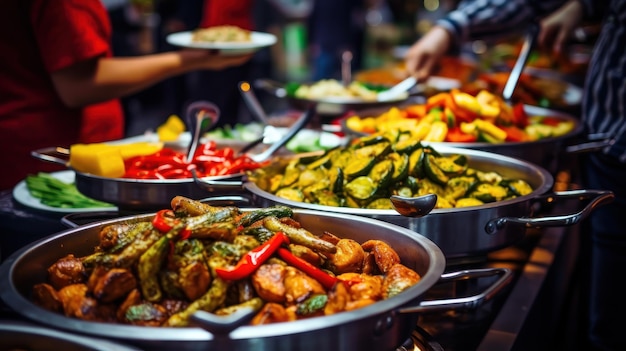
(518,68)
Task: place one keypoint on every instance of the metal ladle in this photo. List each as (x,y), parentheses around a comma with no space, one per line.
(291,132)
(253,103)
(201,116)
(414,206)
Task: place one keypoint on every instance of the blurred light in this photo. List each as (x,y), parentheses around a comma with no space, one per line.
(431,5)
(479,47)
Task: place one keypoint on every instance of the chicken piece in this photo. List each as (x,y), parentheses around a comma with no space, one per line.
(363,286)
(299,286)
(270,313)
(268,282)
(399,278)
(369,264)
(77,304)
(330,237)
(384,255)
(174,306)
(338,299)
(111,234)
(66,271)
(146,314)
(194,279)
(355,305)
(115,284)
(46,296)
(133,298)
(348,258)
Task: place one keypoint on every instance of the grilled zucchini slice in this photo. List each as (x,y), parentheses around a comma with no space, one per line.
(380,204)
(449,166)
(407,146)
(433,172)
(291,194)
(486,192)
(416,163)
(400,166)
(361,188)
(377,150)
(382,172)
(468,201)
(518,187)
(359,166)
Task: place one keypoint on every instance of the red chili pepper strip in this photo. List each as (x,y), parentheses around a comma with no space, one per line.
(162,222)
(327,280)
(254,258)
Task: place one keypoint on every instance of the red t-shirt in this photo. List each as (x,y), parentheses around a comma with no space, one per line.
(227,12)
(38,37)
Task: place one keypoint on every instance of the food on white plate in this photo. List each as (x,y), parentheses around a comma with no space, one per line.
(222,34)
(54,192)
(306,140)
(334,89)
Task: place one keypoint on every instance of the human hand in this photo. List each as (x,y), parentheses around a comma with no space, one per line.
(213,60)
(559,26)
(422,57)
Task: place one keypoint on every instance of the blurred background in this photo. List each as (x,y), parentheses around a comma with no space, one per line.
(312,35)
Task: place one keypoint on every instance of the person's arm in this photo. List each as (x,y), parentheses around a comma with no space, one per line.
(472,20)
(559,26)
(103,79)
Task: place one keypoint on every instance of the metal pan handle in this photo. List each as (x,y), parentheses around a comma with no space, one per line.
(57,154)
(77,219)
(600,197)
(506,276)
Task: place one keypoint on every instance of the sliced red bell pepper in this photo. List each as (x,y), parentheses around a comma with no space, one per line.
(520,117)
(455,135)
(253,258)
(514,134)
(415,111)
(551,121)
(327,280)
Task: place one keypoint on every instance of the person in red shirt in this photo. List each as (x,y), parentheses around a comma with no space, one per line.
(60,82)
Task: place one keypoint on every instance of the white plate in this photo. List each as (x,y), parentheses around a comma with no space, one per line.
(23,196)
(258,40)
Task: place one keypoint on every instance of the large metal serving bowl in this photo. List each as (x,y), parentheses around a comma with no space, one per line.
(469,231)
(543,152)
(379,326)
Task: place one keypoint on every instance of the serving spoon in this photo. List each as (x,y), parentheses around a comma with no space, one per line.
(201,116)
(397,90)
(414,206)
